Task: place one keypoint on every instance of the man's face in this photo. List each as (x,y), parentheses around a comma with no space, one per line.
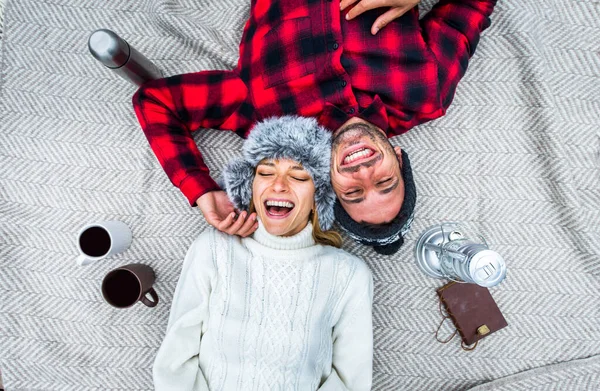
(365,172)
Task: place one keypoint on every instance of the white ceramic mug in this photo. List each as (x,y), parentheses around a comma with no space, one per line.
(97,241)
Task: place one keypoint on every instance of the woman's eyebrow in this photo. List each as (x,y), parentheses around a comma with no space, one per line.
(267,163)
(297,168)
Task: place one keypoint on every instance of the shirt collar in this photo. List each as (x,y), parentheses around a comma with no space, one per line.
(333,117)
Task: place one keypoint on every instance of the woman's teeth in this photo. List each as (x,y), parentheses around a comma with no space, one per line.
(281,204)
(361,153)
(278,208)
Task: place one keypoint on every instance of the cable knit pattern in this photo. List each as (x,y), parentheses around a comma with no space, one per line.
(219,243)
(275,308)
(342,273)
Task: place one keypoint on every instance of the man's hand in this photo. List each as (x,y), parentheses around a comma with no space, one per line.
(398,8)
(220,213)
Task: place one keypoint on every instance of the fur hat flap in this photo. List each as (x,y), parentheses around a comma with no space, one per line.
(236,176)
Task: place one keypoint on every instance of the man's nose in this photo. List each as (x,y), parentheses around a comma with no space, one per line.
(363,172)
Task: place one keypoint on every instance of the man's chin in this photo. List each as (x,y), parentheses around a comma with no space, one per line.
(358,128)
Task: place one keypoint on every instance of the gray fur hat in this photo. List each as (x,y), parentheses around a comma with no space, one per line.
(289,137)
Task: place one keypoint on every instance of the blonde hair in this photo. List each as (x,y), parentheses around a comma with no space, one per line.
(326,238)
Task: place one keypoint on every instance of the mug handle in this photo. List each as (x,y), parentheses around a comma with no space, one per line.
(150,303)
(82,260)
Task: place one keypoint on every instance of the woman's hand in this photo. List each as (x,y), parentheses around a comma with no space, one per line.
(398,8)
(220,213)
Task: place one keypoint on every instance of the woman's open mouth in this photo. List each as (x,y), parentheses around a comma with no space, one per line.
(278,209)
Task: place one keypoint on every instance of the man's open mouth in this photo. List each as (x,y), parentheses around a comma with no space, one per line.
(278,209)
(357,155)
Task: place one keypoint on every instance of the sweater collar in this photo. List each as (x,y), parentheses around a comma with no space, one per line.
(301,240)
(264,243)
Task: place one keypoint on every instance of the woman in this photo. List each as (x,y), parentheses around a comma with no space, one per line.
(284,309)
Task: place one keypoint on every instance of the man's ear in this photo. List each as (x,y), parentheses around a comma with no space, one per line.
(398,151)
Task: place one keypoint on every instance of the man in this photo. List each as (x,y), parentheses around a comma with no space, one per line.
(316,59)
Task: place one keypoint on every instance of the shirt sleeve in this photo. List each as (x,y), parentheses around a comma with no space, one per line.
(451,31)
(176,366)
(353,337)
(169,109)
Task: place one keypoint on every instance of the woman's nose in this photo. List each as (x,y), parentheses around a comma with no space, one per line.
(280,184)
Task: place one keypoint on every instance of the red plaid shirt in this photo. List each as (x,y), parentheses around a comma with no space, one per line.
(302,57)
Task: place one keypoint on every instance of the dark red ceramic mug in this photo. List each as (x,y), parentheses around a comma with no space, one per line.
(125,286)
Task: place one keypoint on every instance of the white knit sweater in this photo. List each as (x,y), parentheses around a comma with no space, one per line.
(268,313)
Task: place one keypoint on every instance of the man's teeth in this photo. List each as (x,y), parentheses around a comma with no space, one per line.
(281,204)
(357,155)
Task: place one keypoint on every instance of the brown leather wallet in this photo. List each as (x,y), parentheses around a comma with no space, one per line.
(472,309)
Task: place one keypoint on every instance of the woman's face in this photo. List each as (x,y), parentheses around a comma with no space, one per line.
(284,195)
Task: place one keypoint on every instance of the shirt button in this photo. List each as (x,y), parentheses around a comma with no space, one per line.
(335,46)
(351,111)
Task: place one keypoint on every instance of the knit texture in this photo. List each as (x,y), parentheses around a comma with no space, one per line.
(270,311)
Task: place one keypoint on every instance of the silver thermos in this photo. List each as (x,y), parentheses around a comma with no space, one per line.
(115,53)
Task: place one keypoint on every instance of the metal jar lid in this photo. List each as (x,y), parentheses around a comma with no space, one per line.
(487,268)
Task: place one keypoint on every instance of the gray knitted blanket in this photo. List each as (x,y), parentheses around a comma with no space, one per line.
(517,156)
